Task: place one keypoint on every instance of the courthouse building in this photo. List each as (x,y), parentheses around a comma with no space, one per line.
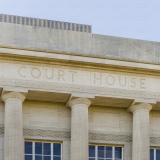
(69,94)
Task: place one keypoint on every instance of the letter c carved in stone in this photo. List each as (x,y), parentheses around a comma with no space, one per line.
(22,72)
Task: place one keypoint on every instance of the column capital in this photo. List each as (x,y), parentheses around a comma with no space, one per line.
(136,107)
(8,95)
(76,101)
(19,93)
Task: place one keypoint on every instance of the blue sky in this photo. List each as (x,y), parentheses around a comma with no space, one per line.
(138,19)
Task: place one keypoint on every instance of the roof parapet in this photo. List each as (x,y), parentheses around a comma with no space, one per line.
(45,23)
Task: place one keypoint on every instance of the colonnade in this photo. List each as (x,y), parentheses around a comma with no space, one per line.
(13,134)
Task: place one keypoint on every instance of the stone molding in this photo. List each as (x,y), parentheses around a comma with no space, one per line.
(97,68)
(79,101)
(140,106)
(155,140)
(46,133)
(74,53)
(92,136)
(110,137)
(67,135)
(58,87)
(1,130)
(10,95)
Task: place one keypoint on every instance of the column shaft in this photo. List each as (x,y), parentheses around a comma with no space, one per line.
(13,126)
(79,132)
(79,128)
(141,138)
(13,133)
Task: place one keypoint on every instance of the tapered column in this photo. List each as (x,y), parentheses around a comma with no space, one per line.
(79,128)
(141,138)
(13,126)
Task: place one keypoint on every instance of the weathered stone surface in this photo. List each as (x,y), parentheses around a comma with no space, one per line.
(79,128)
(13,126)
(78,43)
(141,138)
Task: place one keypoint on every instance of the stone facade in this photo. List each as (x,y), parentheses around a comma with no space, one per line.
(70,86)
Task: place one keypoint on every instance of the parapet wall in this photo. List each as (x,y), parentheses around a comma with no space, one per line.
(69,38)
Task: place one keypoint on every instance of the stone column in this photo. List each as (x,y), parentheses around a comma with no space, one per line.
(79,128)
(13,126)
(141,138)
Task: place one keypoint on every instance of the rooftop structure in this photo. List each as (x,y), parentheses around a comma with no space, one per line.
(75,39)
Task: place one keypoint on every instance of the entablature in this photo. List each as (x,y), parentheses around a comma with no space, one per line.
(55,77)
(100,97)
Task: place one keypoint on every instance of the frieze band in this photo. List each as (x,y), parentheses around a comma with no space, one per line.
(110,137)
(79,88)
(92,136)
(46,133)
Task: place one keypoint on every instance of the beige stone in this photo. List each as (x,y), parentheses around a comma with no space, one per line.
(1,113)
(13,134)
(79,128)
(66,150)
(141,140)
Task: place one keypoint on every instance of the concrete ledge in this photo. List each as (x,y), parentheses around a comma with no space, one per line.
(78,59)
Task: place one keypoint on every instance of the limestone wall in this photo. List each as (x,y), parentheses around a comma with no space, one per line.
(107,124)
(57,115)
(109,119)
(46,114)
(112,123)
(1,114)
(154,122)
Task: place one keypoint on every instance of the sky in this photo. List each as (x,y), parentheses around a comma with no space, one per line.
(138,19)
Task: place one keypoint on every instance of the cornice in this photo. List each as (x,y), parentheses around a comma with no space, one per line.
(47,58)
(74,53)
(76,66)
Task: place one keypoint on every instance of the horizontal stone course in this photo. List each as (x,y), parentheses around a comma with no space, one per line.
(92,136)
